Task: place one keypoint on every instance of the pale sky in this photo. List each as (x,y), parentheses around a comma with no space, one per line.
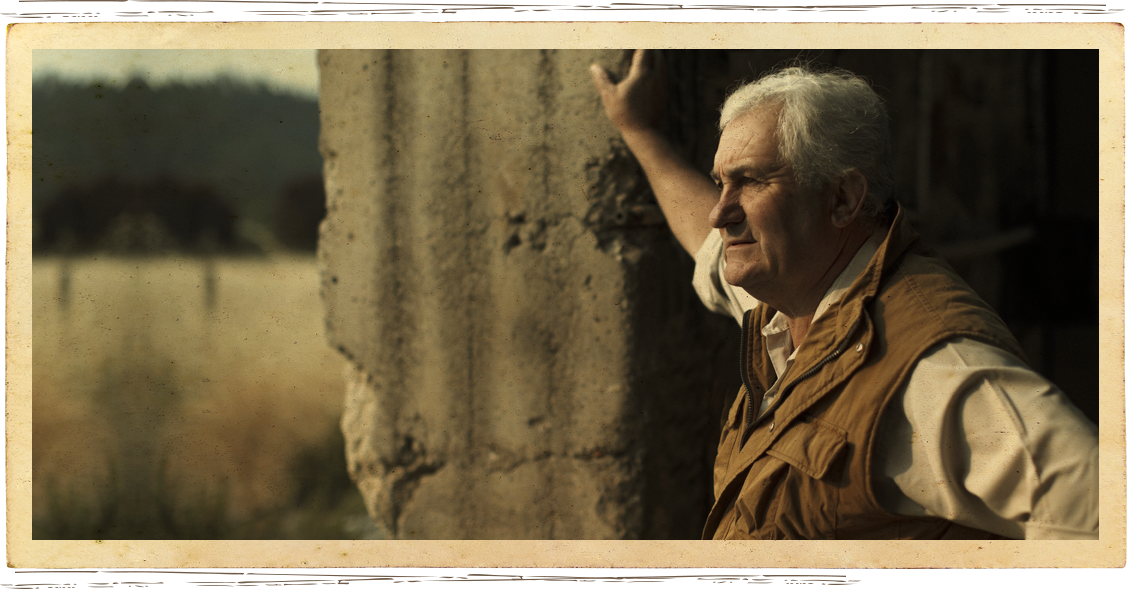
(283,70)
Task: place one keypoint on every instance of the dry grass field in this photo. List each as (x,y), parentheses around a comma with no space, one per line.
(186,398)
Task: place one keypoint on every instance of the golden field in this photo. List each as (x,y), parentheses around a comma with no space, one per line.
(181,397)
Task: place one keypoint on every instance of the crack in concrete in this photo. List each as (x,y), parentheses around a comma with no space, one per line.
(507,463)
(403,473)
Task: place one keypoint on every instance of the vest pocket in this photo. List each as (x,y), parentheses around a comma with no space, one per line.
(787,493)
(811,447)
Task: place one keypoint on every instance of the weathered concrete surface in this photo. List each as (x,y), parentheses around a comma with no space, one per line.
(527,358)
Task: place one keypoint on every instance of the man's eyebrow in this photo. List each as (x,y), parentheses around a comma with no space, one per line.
(741,169)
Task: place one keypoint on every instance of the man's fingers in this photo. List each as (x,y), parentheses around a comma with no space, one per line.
(603,79)
(639,60)
(641,63)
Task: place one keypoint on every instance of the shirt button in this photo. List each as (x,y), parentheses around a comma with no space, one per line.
(860,347)
(771,427)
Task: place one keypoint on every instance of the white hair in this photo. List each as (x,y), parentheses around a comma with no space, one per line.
(829,122)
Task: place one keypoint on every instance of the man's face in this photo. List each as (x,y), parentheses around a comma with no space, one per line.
(778,237)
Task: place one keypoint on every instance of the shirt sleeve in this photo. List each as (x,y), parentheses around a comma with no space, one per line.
(708,281)
(978,438)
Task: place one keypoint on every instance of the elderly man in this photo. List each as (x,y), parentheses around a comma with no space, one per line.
(881,398)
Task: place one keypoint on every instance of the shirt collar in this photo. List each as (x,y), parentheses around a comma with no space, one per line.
(849,275)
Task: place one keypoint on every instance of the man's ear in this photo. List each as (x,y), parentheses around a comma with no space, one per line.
(849,192)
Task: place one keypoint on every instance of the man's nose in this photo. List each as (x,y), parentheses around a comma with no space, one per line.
(727,210)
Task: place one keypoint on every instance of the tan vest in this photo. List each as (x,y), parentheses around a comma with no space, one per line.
(804,471)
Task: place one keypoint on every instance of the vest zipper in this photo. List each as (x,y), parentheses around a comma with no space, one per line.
(743,354)
(750,424)
(749,411)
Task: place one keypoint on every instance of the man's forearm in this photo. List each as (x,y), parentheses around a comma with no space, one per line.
(685,195)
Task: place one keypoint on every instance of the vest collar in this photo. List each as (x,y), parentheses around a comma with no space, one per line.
(901,236)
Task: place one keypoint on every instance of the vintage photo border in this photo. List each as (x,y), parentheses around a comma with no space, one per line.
(23,552)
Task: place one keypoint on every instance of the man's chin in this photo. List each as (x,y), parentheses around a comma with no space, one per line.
(744,273)
(743,280)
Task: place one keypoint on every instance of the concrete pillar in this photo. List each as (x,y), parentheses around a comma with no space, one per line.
(527,359)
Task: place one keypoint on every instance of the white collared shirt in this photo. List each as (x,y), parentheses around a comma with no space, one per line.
(974,437)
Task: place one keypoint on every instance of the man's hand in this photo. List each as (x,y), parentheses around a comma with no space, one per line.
(635,106)
(637,102)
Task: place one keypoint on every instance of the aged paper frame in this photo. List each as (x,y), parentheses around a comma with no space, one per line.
(1108,551)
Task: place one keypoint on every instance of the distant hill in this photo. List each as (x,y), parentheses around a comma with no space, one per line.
(239,147)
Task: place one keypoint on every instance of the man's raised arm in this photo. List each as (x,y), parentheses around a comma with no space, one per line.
(634,106)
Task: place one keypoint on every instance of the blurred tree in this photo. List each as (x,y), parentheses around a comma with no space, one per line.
(157,216)
(244,141)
